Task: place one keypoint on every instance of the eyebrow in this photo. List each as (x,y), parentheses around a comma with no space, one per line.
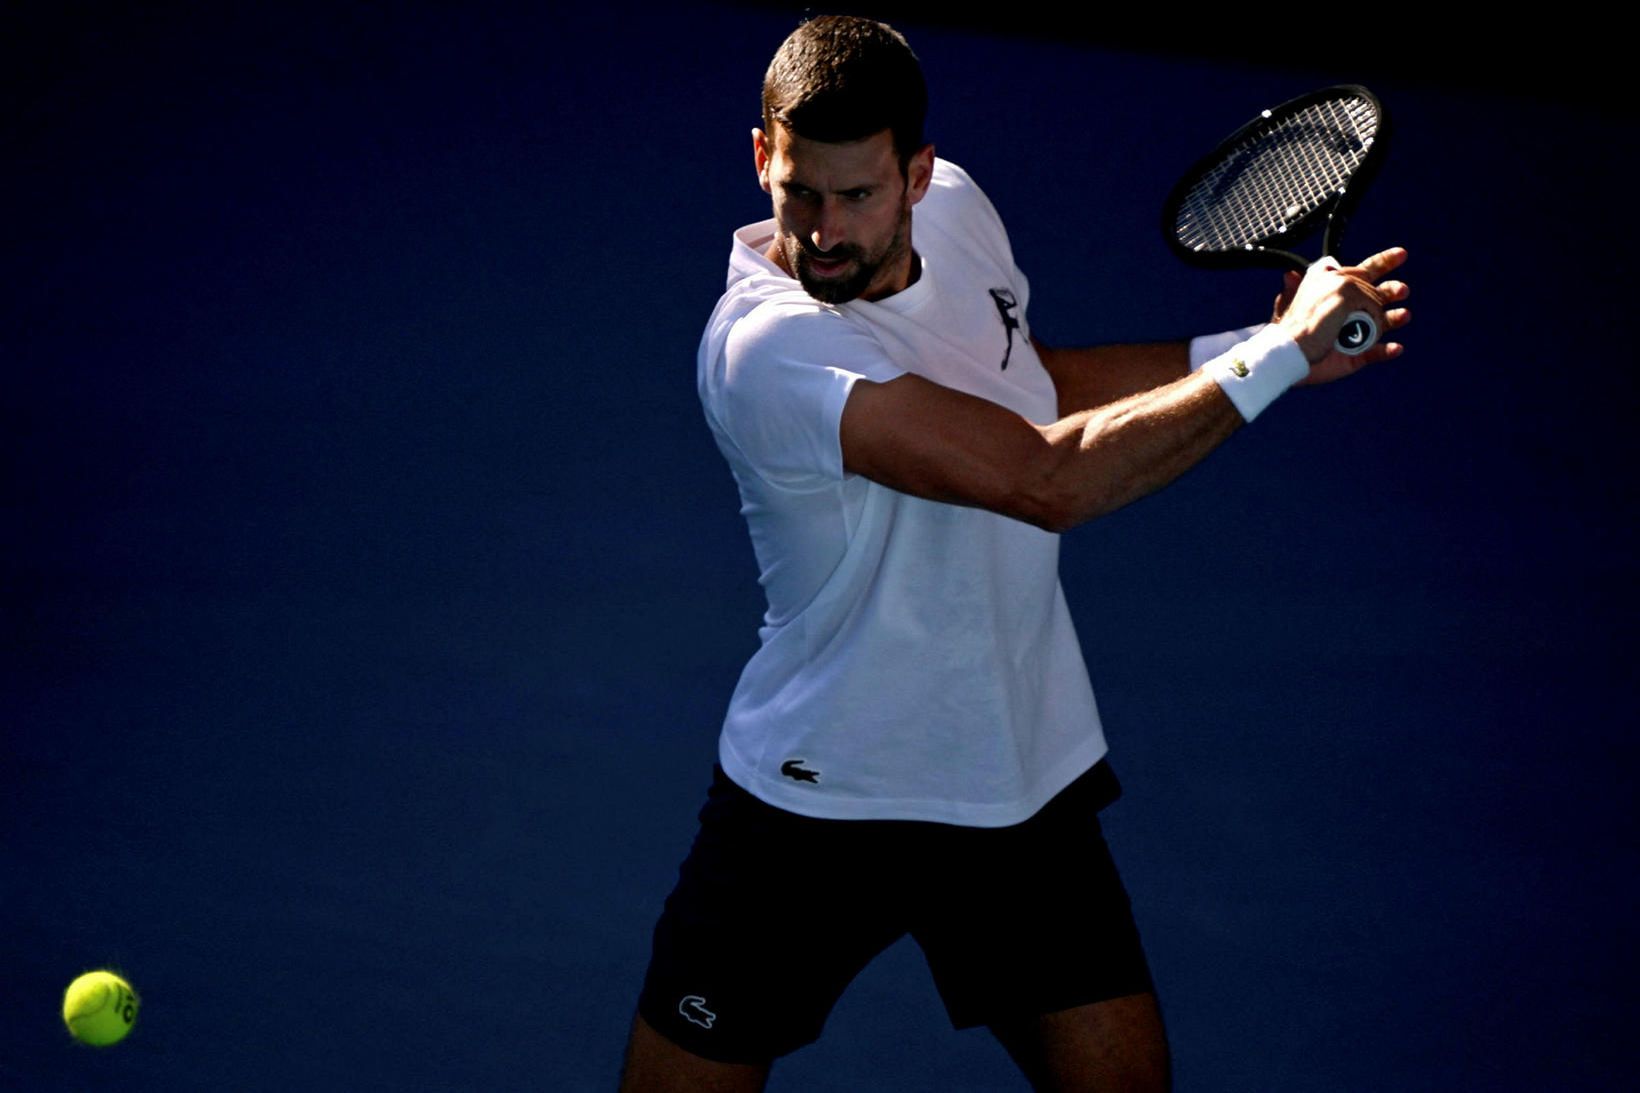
(794,184)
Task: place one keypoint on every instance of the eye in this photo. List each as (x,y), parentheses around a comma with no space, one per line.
(856,195)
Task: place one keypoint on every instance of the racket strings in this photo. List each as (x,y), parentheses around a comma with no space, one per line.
(1273,179)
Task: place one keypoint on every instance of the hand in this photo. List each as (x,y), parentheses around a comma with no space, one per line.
(1313,306)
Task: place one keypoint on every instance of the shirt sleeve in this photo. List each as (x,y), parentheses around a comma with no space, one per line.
(786,373)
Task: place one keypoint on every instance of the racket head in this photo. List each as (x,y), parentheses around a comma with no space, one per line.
(1273,180)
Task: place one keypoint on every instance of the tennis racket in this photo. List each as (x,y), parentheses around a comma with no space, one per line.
(1271,182)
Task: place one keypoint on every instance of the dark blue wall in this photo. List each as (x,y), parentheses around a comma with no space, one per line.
(373,590)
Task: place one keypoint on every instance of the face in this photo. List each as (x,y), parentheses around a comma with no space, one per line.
(842,212)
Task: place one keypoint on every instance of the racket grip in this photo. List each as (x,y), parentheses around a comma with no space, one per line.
(1359,334)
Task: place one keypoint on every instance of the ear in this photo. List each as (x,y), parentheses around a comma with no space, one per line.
(761,151)
(919,172)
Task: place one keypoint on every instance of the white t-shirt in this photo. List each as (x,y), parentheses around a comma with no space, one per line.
(917,658)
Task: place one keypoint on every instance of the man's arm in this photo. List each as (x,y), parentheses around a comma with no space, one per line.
(1095,376)
(935,442)
(920,438)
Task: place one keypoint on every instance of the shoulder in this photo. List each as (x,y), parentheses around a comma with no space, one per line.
(790,331)
(785,319)
(773,386)
(957,222)
(772,337)
(953,193)
(953,179)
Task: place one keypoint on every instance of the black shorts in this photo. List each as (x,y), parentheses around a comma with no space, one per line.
(774,914)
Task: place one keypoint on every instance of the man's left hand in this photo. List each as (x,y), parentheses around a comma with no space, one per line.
(1367,279)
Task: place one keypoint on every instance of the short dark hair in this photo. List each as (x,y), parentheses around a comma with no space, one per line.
(837,78)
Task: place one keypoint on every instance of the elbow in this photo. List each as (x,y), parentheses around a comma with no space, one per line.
(1051,514)
(1059,487)
(1043,499)
(1055,523)
(1038,509)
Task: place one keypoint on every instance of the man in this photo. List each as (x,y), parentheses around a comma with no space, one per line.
(915,748)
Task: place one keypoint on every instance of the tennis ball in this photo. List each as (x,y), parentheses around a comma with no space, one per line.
(100,1008)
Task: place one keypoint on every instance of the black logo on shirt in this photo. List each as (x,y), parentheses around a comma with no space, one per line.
(794,769)
(1006,303)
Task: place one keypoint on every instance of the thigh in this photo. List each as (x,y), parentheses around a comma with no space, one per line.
(655,1064)
(1029,920)
(772,917)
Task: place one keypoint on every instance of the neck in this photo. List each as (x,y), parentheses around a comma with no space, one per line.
(914,272)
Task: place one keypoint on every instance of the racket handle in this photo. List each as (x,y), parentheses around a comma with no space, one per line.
(1358,335)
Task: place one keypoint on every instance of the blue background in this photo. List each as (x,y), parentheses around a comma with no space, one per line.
(373,590)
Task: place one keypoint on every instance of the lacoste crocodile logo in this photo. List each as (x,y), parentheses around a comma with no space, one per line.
(693,1008)
(1239,367)
(797,772)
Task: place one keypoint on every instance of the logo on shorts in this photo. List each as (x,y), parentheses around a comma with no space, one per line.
(693,1008)
(797,772)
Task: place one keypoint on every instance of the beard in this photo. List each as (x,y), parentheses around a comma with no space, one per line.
(857,277)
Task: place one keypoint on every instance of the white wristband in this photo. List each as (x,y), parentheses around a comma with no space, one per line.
(1258,370)
(1208,346)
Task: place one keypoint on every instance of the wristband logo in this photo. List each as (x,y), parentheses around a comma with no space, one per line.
(1239,367)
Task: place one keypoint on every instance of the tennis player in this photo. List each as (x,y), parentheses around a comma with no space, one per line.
(914,748)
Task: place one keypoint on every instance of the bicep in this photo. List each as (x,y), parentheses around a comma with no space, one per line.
(921,438)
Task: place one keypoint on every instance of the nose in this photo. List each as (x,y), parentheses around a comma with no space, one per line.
(828,227)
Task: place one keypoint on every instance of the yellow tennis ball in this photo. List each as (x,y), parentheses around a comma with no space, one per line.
(100,1008)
